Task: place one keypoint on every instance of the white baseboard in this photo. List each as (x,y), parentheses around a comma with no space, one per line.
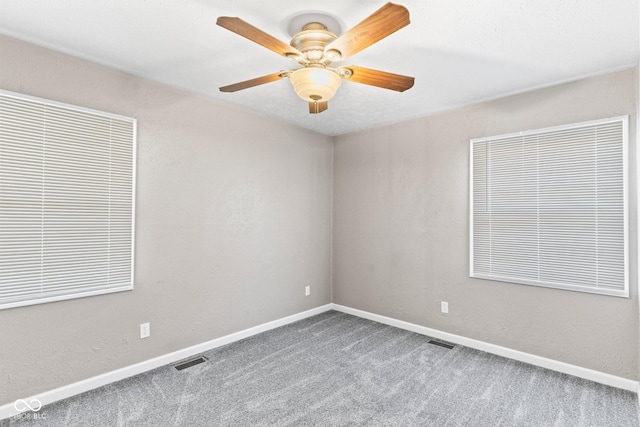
(8,410)
(51,396)
(554,365)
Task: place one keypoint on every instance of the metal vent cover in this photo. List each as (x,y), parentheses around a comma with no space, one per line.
(190,363)
(441,344)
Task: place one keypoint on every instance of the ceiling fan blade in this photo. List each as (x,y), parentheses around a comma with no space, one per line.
(318,107)
(256,35)
(382,79)
(253,82)
(383,22)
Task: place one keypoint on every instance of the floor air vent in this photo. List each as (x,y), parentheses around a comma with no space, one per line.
(190,363)
(441,344)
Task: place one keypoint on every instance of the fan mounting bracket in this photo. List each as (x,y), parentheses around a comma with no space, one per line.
(297,22)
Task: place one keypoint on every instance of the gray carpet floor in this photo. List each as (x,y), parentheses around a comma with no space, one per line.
(336,369)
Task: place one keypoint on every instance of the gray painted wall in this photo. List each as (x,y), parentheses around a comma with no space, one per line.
(233,220)
(637,159)
(401,231)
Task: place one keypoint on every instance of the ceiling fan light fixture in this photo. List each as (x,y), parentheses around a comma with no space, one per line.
(315,84)
(317,45)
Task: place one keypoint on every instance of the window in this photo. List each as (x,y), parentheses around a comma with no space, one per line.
(549,207)
(66,201)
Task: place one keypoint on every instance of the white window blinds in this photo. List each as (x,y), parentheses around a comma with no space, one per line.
(66,201)
(548,207)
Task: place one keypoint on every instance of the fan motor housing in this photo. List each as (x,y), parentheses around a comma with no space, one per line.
(312,40)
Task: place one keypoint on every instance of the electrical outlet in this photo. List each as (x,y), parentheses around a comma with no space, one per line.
(145,330)
(444,306)
(307,291)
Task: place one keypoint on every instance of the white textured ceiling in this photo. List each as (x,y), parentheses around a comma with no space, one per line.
(459,51)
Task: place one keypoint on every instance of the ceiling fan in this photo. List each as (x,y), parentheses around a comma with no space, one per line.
(315,48)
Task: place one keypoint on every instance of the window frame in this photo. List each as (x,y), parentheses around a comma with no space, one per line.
(33,299)
(624,293)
